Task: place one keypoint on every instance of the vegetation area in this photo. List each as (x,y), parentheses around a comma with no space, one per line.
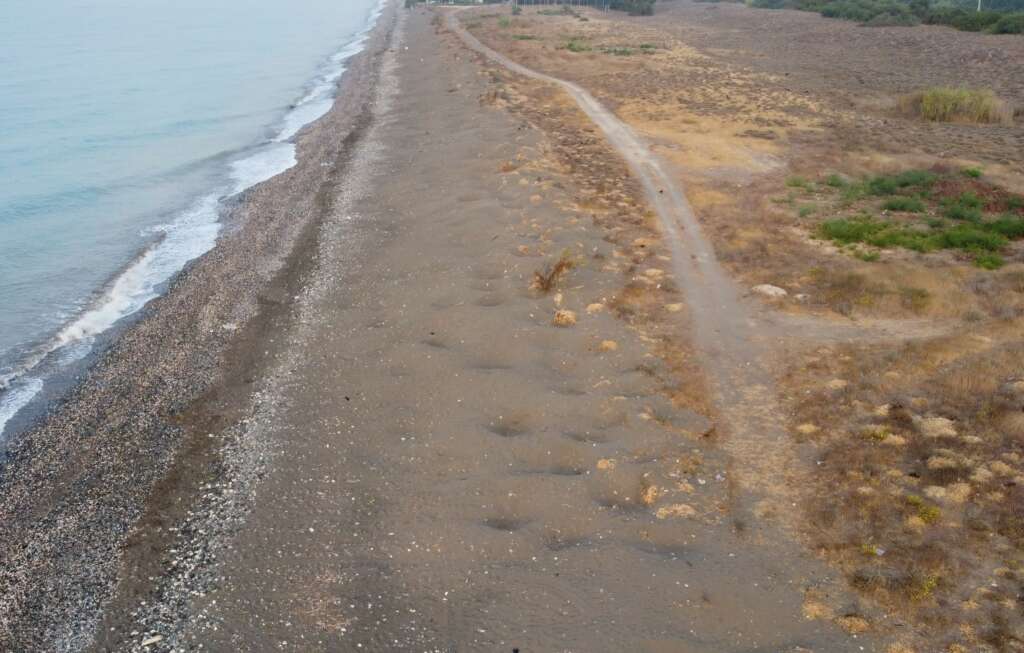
(632,7)
(997,16)
(918,210)
(942,104)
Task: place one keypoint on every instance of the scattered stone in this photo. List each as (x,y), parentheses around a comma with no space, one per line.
(673,308)
(594,308)
(155,639)
(770,291)
(935,492)
(680,510)
(883,410)
(837,384)
(807,429)
(649,495)
(564,318)
(608,345)
(606,464)
(894,440)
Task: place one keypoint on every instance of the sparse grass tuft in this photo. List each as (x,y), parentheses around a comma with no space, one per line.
(989,261)
(798,182)
(943,104)
(892,184)
(973,173)
(904,204)
(545,280)
(577,45)
(807,210)
(835,181)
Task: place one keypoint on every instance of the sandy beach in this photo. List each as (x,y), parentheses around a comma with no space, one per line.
(467,378)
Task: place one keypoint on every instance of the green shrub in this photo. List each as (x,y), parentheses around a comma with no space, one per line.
(905,204)
(973,173)
(989,261)
(835,181)
(1009,226)
(504,22)
(891,184)
(1009,24)
(966,207)
(576,45)
(848,231)
(971,238)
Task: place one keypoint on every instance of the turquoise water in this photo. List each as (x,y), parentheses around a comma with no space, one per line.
(123,125)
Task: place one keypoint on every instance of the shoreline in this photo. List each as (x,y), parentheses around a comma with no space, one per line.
(74,487)
(33,380)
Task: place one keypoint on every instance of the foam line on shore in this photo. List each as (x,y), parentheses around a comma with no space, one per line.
(191,233)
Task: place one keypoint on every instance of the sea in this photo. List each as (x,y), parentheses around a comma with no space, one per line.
(125,125)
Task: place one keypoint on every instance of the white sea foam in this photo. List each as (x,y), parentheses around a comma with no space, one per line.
(190,235)
(16,397)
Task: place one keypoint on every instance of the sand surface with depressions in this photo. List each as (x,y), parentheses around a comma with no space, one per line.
(410,446)
(452,467)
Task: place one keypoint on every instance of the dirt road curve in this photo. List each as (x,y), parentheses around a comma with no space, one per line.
(726,332)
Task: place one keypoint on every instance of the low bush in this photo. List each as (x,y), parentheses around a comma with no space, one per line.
(891,184)
(943,104)
(905,204)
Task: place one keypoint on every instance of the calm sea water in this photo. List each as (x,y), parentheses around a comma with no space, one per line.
(123,123)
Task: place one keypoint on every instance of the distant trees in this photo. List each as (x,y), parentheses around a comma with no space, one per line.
(996,16)
(634,7)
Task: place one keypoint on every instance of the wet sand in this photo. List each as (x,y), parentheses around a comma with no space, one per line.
(408,446)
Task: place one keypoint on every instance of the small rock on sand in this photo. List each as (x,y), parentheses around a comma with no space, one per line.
(807,429)
(673,308)
(608,345)
(770,291)
(564,318)
(594,308)
(837,384)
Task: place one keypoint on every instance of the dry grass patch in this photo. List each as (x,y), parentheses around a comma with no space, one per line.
(920,495)
(943,104)
(545,280)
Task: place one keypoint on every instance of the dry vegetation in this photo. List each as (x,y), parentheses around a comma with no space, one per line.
(957,105)
(815,184)
(920,490)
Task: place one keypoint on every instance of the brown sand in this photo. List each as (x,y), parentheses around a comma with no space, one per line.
(451,469)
